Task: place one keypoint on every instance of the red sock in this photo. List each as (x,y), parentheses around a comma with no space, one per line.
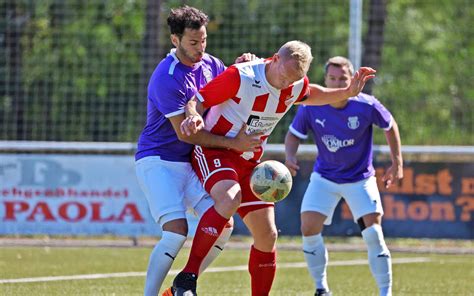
(208,230)
(262,268)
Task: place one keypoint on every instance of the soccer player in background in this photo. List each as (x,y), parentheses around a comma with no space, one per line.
(258,94)
(163,159)
(343,169)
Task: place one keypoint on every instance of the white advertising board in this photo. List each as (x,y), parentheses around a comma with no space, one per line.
(73,195)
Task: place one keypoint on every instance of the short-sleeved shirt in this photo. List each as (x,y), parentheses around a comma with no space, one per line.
(343,136)
(241,95)
(171,86)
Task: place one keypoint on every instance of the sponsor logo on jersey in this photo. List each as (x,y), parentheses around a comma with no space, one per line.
(260,124)
(333,144)
(257,84)
(353,122)
(320,122)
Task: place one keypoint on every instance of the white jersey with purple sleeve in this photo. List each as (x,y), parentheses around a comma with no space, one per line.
(171,86)
(343,136)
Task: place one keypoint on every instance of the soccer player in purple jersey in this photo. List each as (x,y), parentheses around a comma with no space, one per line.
(343,169)
(163,157)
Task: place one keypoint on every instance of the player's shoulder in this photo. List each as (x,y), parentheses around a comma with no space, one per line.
(250,69)
(364,98)
(312,110)
(212,60)
(167,67)
(166,75)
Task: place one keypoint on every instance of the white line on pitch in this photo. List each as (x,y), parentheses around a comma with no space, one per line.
(212,269)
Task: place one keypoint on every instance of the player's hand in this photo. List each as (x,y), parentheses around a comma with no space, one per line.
(245,57)
(191,125)
(359,80)
(243,142)
(393,174)
(292,164)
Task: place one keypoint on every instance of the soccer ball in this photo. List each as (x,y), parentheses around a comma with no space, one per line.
(271,181)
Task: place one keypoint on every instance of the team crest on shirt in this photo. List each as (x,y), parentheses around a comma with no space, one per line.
(207,74)
(353,122)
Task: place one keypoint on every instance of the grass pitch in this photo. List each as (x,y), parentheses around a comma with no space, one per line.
(439,275)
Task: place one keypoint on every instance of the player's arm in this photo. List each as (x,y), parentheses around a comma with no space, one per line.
(319,95)
(222,88)
(193,121)
(217,141)
(395,171)
(292,143)
(219,90)
(241,142)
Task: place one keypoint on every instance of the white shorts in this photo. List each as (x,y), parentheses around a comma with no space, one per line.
(171,188)
(322,196)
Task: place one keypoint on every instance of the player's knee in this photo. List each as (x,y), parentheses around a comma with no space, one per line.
(230,223)
(308,229)
(179,226)
(374,238)
(227,196)
(273,236)
(229,204)
(267,240)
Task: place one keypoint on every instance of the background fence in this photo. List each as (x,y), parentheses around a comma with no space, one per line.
(75,70)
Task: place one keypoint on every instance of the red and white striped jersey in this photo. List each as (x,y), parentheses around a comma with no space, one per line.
(242,94)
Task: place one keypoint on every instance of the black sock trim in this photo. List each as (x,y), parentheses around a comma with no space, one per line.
(169,255)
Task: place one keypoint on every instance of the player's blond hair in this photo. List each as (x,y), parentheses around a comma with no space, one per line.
(299,52)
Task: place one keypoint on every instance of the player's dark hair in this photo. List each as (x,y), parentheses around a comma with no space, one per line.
(339,62)
(186,17)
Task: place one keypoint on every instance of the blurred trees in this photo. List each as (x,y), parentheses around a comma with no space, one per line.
(77,70)
(427,70)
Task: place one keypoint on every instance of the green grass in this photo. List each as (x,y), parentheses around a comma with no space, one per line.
(443,275)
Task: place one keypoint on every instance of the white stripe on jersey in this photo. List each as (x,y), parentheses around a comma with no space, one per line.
(175,61)
(216,171)
(389,127)
(180,111)
(201,160)
(251,203)
(297,133)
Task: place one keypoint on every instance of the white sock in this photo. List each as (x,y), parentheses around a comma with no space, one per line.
(216,249)
(161,259)
(316,256)
(380,261)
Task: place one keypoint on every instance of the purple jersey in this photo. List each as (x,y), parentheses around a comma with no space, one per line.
(343,136)
(171,86)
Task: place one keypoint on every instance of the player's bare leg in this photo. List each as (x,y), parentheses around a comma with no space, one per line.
(315,252)
(262,261)
(380,261)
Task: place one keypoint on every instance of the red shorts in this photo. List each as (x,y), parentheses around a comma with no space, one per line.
(214,165)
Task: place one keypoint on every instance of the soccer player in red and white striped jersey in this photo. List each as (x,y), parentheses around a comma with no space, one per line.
(256,94)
